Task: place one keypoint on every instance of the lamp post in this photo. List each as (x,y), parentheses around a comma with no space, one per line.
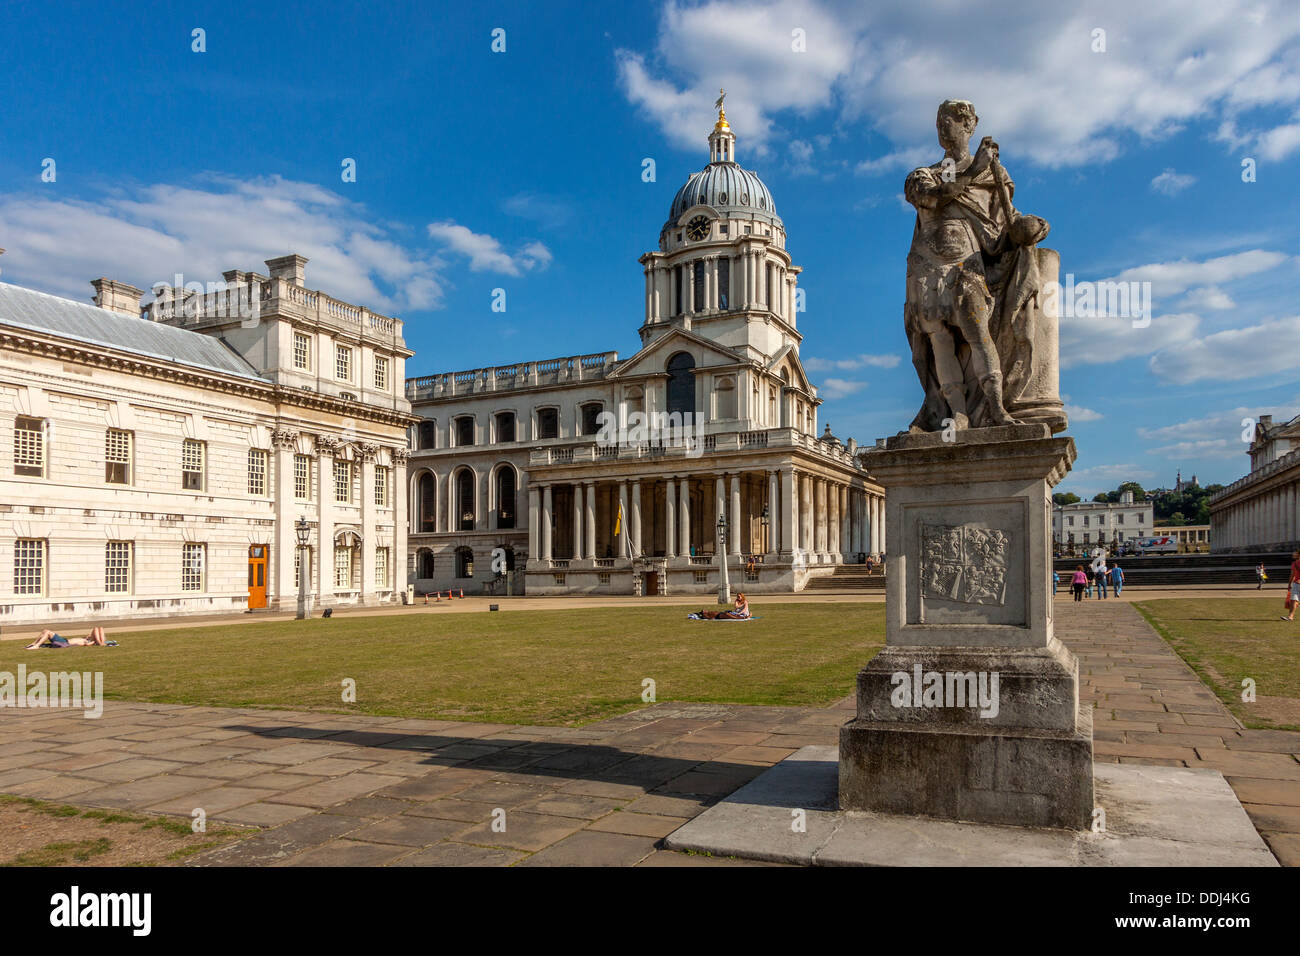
(303,530)
(724,583)
(766,522)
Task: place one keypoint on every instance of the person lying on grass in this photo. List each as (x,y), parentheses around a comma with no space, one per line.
(48,638)
(739,613)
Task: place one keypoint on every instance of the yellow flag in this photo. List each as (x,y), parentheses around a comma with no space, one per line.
(618,520)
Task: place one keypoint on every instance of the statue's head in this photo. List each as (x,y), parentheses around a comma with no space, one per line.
(955,123)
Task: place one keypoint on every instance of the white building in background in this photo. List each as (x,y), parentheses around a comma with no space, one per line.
(1089,524)
(1261,511)
(154,461)
(512,457)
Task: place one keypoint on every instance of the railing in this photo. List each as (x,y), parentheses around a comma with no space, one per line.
(520,375)
(604,562)
(561,454)
(702,560)
(1288,460)
(755,439)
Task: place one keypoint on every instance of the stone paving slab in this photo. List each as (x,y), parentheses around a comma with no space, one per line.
(1154,817)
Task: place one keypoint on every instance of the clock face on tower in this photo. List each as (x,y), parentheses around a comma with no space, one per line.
(697,228)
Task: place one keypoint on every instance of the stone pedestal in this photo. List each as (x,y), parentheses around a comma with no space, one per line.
(971,711)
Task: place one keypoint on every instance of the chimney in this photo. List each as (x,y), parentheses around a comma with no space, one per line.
(117,296)
(288,268)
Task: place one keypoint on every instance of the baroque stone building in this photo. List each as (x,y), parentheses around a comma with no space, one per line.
(154,461)
(1261,511)
(591,474)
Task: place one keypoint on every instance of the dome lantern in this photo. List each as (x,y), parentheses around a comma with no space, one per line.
(722,141)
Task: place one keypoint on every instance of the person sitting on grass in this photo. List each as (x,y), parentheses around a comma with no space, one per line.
(48,638)
(739,613)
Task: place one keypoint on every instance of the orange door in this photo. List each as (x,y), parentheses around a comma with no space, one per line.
(257,575)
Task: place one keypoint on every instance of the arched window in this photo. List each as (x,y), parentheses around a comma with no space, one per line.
(424,564)
(724,283)
(464,562)
(506,485)
(465,514)
(697,281)
(428,435)
(681,384)
(591,417)
(726,396)
(426,493)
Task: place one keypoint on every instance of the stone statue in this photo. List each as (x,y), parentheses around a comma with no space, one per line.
(982,343)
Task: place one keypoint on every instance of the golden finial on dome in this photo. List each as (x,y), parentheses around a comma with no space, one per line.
(722,112)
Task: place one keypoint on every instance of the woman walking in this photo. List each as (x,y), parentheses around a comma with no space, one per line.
(1293,587)
(1080,579)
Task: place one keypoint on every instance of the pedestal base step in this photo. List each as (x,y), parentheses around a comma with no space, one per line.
(1154,816)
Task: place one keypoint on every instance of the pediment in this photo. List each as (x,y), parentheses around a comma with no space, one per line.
(652,359)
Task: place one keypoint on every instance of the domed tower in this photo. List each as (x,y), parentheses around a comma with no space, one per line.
(721,270)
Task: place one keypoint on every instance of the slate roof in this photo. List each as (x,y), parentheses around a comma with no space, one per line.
(91,325)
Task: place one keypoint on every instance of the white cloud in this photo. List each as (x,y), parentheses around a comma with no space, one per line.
(1171,182)
(1221,448)
(145,234)
(1078,414)
(1232,354)
(1233,423)
(1103,340)
(1168,279)
(745,48)
(833,388)
(485,253)
(1099,478)
(897,161)
(890,65)
(801,154)
(1210,297)
(848,364)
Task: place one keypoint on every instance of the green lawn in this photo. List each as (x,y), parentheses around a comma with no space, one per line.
(526,667)
(1228,639)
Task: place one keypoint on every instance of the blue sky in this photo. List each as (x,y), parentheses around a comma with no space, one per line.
(522,170)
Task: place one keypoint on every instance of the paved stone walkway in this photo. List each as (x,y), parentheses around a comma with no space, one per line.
(358,790)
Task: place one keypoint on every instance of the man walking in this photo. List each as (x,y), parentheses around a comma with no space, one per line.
(1117,579)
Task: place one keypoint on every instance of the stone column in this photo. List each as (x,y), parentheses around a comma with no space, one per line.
(401,522)
(577,521)
(735,520)
(806,519)
(589,538)
(819,512)
(789,514)
(369,536)
(326,446)
(833,521)
(846,523)
(547,504)
(670,518)
(623,529)
(635,524)
(719,504)
(534,523)
(774,517)
(282,585)
(684,517)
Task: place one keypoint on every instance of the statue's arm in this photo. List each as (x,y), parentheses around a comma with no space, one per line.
(923,188)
